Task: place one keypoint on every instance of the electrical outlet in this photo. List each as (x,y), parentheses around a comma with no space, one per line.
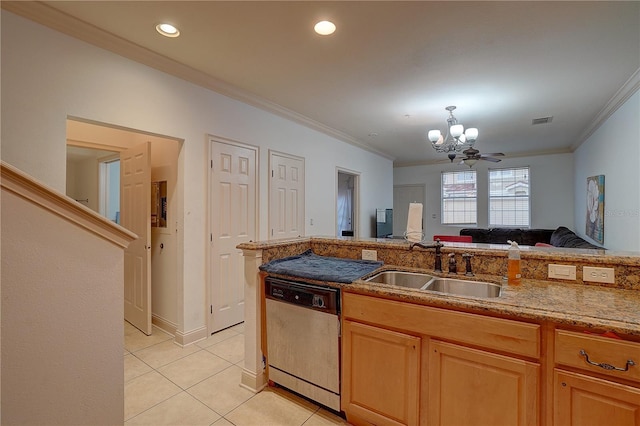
(598,275)
(563,272)
(369,255)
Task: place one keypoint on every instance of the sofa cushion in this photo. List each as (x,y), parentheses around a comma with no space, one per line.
(501,235)
(532,236)
(564,237)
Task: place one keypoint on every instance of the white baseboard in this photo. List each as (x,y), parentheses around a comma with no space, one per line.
(163,324)
(252,381)
(190,337)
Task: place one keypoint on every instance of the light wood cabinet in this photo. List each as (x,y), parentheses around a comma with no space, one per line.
(405,363)
(581,400)
(573,349)
(397,369)
(584,398)
(474,387)
(381,375)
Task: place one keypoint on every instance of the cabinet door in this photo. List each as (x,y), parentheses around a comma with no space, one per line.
(473,387)
(581,400)
(380,375)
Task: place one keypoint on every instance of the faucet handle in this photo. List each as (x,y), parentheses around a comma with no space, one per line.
(453,268)
(467,257)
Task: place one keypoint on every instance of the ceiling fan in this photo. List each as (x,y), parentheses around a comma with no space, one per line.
(472,155)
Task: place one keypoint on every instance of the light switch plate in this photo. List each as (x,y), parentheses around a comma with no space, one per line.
(563,272)
(369,255)
(598,275)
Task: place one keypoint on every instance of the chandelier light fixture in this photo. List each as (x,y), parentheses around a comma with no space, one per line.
(456,140)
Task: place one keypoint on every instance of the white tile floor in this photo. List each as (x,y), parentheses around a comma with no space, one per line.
(200,385)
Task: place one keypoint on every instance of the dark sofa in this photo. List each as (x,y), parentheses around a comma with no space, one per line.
(560,237)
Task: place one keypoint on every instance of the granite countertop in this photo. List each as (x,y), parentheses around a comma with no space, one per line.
(597,307)
(580,305)
(589,306)
(546,253)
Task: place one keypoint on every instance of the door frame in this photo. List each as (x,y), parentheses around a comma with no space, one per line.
(355,225)
(207,166)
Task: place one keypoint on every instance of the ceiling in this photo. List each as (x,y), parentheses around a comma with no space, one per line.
(384,78)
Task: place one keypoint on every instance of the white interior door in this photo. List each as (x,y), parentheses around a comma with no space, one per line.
(135,215)
(402,196)
(233,221)
(286,196)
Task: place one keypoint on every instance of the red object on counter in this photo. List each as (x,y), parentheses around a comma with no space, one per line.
(609,334)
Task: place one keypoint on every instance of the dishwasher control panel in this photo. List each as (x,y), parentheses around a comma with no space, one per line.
(306,295)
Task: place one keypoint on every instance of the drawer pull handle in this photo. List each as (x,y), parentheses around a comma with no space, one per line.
(630,363)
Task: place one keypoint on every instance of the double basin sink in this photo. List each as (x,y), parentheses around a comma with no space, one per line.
(457,287)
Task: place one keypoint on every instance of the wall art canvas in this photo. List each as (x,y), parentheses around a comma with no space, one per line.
(595,208)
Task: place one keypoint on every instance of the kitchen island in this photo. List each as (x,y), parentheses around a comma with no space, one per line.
(525,342)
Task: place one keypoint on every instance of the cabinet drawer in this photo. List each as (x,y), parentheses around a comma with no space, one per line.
(605,351)
(492,333)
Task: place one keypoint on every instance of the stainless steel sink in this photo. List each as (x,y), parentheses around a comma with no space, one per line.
(453,286)
(464,288)
(402,279)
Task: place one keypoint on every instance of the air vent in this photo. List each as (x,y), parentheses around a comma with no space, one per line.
(541,120)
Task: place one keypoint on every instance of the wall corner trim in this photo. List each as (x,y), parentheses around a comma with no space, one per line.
(190,337)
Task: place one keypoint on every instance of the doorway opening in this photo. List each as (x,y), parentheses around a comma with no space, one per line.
(347,203)
(94,178)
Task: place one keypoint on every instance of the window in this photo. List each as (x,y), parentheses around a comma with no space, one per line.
(509,197)
(110,189)
(459,194)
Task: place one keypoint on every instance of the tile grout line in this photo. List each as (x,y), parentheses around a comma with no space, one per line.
(184,390)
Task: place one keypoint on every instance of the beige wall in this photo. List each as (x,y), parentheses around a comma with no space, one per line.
(62,320)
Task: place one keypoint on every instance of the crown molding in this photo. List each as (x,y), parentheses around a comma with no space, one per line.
(59,21)
(627,90)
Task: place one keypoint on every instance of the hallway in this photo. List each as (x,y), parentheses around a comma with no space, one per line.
(199,385)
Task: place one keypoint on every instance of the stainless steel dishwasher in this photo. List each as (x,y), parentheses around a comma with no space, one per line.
(303,339)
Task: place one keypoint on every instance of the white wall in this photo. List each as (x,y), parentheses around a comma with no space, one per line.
(551,184)
(82,181)
(47,76)
(62,310)
(613,151)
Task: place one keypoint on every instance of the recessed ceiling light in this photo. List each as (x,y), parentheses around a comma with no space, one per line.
(325,27)
(167,30)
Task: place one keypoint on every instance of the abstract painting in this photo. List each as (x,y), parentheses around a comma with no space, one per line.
(595,208)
